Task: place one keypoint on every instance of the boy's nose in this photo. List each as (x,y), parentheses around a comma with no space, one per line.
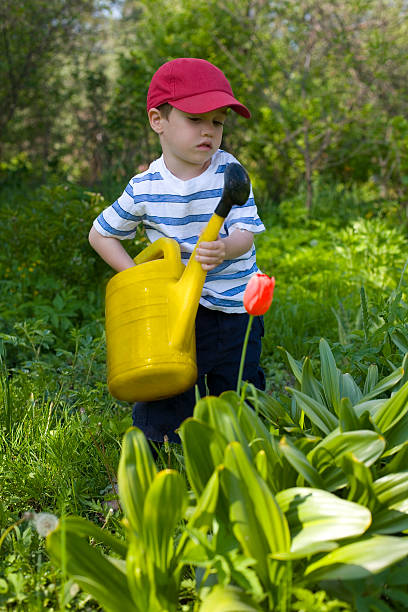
(207,129)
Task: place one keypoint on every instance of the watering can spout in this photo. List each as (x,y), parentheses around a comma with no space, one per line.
(189,287)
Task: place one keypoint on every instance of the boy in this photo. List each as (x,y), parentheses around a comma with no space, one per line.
(187,105)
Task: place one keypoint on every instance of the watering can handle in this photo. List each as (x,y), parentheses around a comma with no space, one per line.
(162,248)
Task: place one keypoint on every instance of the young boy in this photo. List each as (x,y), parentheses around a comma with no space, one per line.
(187,105)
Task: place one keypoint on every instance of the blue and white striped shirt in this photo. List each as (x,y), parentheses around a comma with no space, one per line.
(169,206)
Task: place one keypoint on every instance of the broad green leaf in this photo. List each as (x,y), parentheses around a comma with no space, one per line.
(348,418)
(367,446)
(315,516)
(392,410)
(257,520)
(203,452)
(310,385)
(386,383)
(392,494)
(91,570)
(370,555)
(87,529)
(371,406)
(371,379)
(330,376)
(258,436)
(269,407)
(135,475)
(400,460)
(397,436)
(261,465)
(164,507)
(400,340)
(228,599)
(360,480)
(295,367)
(317,413)
(299,461)
(349,389)
(202,515)
(222,417)
(306,551)
(404,367)
(139,578)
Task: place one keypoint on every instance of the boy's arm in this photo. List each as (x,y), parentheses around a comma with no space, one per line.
(111,250)
(212,254)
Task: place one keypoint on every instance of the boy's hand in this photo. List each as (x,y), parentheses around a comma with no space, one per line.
(211,254)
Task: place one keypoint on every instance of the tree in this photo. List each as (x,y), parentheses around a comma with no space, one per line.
(39,45)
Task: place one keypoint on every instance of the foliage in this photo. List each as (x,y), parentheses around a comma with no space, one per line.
(259,497)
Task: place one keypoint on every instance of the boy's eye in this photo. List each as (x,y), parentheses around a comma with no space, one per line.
(195,119)
(218,123)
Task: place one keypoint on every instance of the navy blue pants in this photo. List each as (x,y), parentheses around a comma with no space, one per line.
(219,340)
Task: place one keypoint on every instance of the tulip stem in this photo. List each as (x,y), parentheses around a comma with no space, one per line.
(243,354)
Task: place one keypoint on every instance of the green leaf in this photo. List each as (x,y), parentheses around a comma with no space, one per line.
(392,410)
(349,389)
(330,376)
(299,461)
(317,413)
(348,418)
(91,570)
(400,460)
(257,520)
(371,379)
(370,555)
(269,407)
(164,507)
(222,417)
(310,385)
(203,452)
(367,446)
(360,479)
(202,515)
(385,384)
(295,367)
(135,475)
(253,429)
(400,340)
(397,436)
(315,516)
(228,599)
(392,495)
(87,529)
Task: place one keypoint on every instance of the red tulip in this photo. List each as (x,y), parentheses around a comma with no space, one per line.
(258,294)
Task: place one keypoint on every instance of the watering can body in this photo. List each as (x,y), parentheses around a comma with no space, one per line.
(142,311)
(150,311)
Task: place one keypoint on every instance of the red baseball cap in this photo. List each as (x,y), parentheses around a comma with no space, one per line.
(193,86)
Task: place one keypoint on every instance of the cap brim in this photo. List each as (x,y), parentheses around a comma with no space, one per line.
(209,101)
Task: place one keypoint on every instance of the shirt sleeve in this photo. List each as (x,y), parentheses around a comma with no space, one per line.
(244,217)
(121,219)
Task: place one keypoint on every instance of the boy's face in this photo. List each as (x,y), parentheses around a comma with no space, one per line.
(188,140)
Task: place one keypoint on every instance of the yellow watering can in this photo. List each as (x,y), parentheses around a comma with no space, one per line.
(150,311)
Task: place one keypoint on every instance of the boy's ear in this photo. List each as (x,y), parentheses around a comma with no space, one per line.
(156,120)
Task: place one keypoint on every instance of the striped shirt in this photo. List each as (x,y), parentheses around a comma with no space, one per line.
(168,206)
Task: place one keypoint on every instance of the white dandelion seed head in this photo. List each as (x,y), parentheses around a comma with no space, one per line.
(44,522)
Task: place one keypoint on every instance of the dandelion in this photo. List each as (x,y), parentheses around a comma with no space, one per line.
(44,522)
